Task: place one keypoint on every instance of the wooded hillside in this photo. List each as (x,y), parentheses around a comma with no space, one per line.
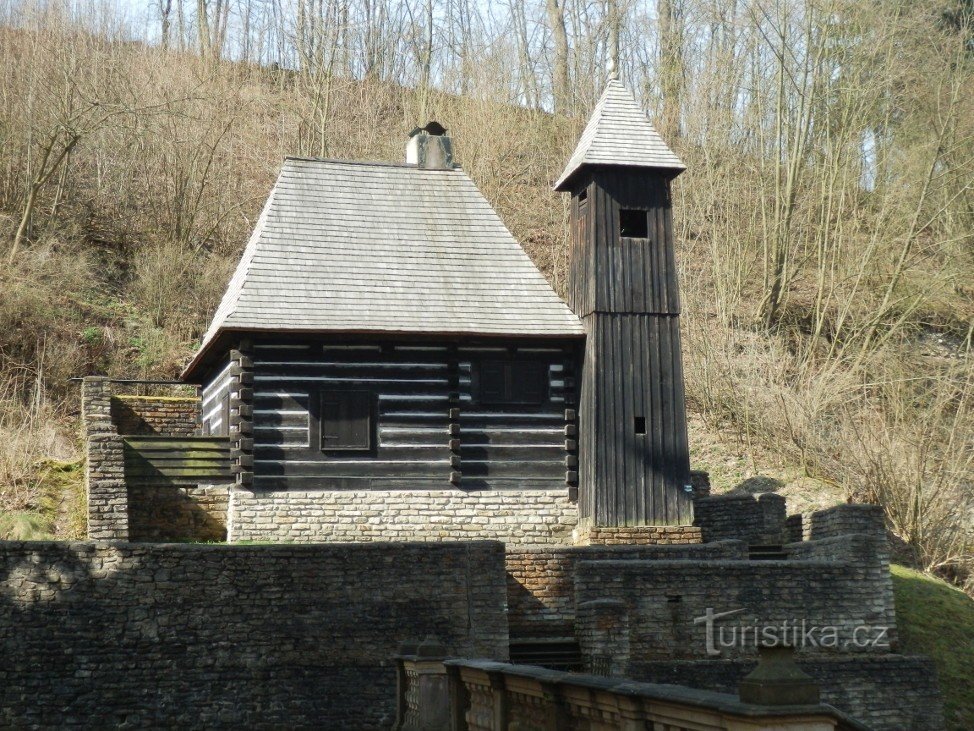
(825,222)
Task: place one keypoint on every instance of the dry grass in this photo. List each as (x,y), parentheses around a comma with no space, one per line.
(826,383)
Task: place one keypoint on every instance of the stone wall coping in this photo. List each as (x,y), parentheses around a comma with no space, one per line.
(711,700)
(228,548)
(173,399)
(619,547)
(639,564)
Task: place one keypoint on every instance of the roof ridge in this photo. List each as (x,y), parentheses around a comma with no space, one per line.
(370,163)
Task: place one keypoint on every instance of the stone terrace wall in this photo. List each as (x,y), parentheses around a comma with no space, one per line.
(845,520)
(665,597)
(662,535)
(156,636)
(144,415)
(304,516)
(887,692)
(164,513)
(741,517)
(541,579)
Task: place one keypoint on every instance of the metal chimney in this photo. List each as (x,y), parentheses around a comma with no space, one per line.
(430,148)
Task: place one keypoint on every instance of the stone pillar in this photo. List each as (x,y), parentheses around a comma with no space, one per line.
(602,627)
(774,514)
(105,464)
(423,689)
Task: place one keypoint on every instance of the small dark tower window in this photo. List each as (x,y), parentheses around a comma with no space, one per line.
(633,224)
(639,424)
(582,195)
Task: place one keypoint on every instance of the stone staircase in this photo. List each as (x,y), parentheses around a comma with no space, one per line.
(555,653)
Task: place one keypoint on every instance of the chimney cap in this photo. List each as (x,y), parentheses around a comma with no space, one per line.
(432,128)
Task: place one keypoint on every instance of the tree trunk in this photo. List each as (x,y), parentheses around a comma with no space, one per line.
(561,92)
(671,66)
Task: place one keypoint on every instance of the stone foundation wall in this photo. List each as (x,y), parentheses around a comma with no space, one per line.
(304,516)
(145,415)
(186,636)
(166,513)
(541,580)
(888,693)
(662,535)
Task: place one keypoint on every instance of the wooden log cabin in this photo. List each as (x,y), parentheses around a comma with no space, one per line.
(389,363)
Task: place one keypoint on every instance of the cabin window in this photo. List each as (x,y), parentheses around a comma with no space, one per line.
(513,382)
(633,223)
(639,424)
(346,420)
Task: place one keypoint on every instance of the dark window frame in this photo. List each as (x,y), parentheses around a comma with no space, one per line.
(517,389)
(356,440)
(633,223)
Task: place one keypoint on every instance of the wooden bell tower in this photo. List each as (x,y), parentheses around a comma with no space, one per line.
(634,464)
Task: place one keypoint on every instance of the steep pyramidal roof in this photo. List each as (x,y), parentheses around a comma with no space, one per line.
(377,248)
(619,133)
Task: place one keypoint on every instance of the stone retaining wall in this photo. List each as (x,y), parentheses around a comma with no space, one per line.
(742,517)
(541,579)
(184,636)
(178,513)
(850,601)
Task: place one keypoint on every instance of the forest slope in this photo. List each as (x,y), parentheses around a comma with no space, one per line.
(824,222)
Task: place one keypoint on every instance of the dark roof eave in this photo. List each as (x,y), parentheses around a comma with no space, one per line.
(566,185)
(206,354)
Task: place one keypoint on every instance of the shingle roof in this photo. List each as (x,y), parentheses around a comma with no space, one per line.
(619,133)
(371,247)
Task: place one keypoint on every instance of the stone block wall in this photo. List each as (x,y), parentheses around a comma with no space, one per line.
(663,535)
(188,636)
(668,602)
(178,512)
(104,464)
(843,520)
(304,516)
(756,521)
(152,415)
(886,692)
(541,579)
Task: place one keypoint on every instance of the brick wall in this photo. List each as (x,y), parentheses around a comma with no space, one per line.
(142,635)
(144,415)
(178,513)
(887,692)
(541,580)
(303,516)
